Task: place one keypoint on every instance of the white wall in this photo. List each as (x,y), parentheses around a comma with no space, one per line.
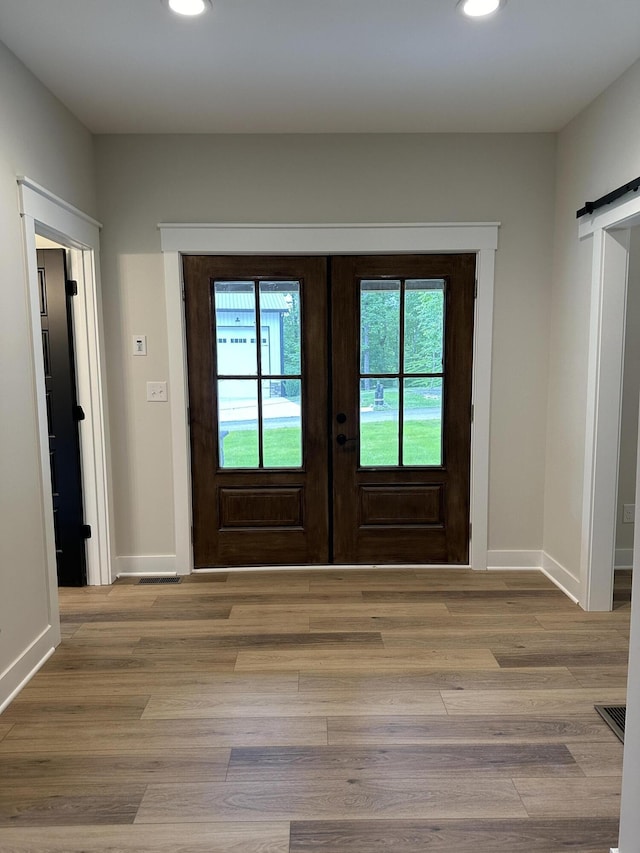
(39,138)
(630,387)
(143,180)
(597,152)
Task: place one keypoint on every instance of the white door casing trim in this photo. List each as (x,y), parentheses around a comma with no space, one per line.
(609,229)
(629,814)
(604,412)
(45,214)
(330,239)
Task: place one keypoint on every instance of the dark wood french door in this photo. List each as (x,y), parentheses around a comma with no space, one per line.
(402,347)
(330,408)
(257,356)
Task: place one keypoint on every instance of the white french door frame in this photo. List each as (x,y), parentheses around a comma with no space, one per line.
(480,239)
(44,214)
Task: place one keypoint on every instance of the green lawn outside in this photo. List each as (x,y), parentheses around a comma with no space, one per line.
(422,441)
(379,445)
(413,398)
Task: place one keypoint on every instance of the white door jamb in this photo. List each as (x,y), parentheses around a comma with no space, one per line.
(45,214)
(327,239)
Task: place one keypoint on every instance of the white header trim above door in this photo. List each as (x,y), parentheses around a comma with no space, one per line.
(480,238)
(327,239)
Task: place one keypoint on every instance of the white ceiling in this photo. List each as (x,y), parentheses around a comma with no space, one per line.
(250,66)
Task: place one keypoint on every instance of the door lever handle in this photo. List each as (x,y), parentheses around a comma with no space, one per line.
(342,439)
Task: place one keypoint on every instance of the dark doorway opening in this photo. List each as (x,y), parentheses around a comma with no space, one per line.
(63,415)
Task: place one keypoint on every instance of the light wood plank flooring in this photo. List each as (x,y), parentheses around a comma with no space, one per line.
(320,712)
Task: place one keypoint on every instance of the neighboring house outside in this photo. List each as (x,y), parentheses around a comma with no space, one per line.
(236,335)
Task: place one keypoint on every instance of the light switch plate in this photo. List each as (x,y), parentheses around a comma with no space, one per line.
(157,392)
(139,344)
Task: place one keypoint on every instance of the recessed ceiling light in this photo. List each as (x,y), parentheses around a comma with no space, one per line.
(189,7)
(479,8)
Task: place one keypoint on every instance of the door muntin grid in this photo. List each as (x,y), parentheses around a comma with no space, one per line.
(258,377)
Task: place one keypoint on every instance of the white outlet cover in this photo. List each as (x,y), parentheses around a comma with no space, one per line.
(157,392)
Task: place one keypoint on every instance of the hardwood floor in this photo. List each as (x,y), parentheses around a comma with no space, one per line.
(320,712)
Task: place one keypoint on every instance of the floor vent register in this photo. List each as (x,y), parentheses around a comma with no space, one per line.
(614,716)
(160,580)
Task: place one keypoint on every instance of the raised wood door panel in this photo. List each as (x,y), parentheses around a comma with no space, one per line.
(252,505)
(62,417)
(396,511)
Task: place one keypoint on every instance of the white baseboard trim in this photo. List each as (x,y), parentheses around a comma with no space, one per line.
(514,560)
(146,564)
(25,666)
(561,577)
(623,558)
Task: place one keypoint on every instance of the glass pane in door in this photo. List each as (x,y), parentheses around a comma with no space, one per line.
(379,422)
(238,433)
(379,326)
(423,325)
(280,321)
(282,423)
(422,422)
(235,309)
